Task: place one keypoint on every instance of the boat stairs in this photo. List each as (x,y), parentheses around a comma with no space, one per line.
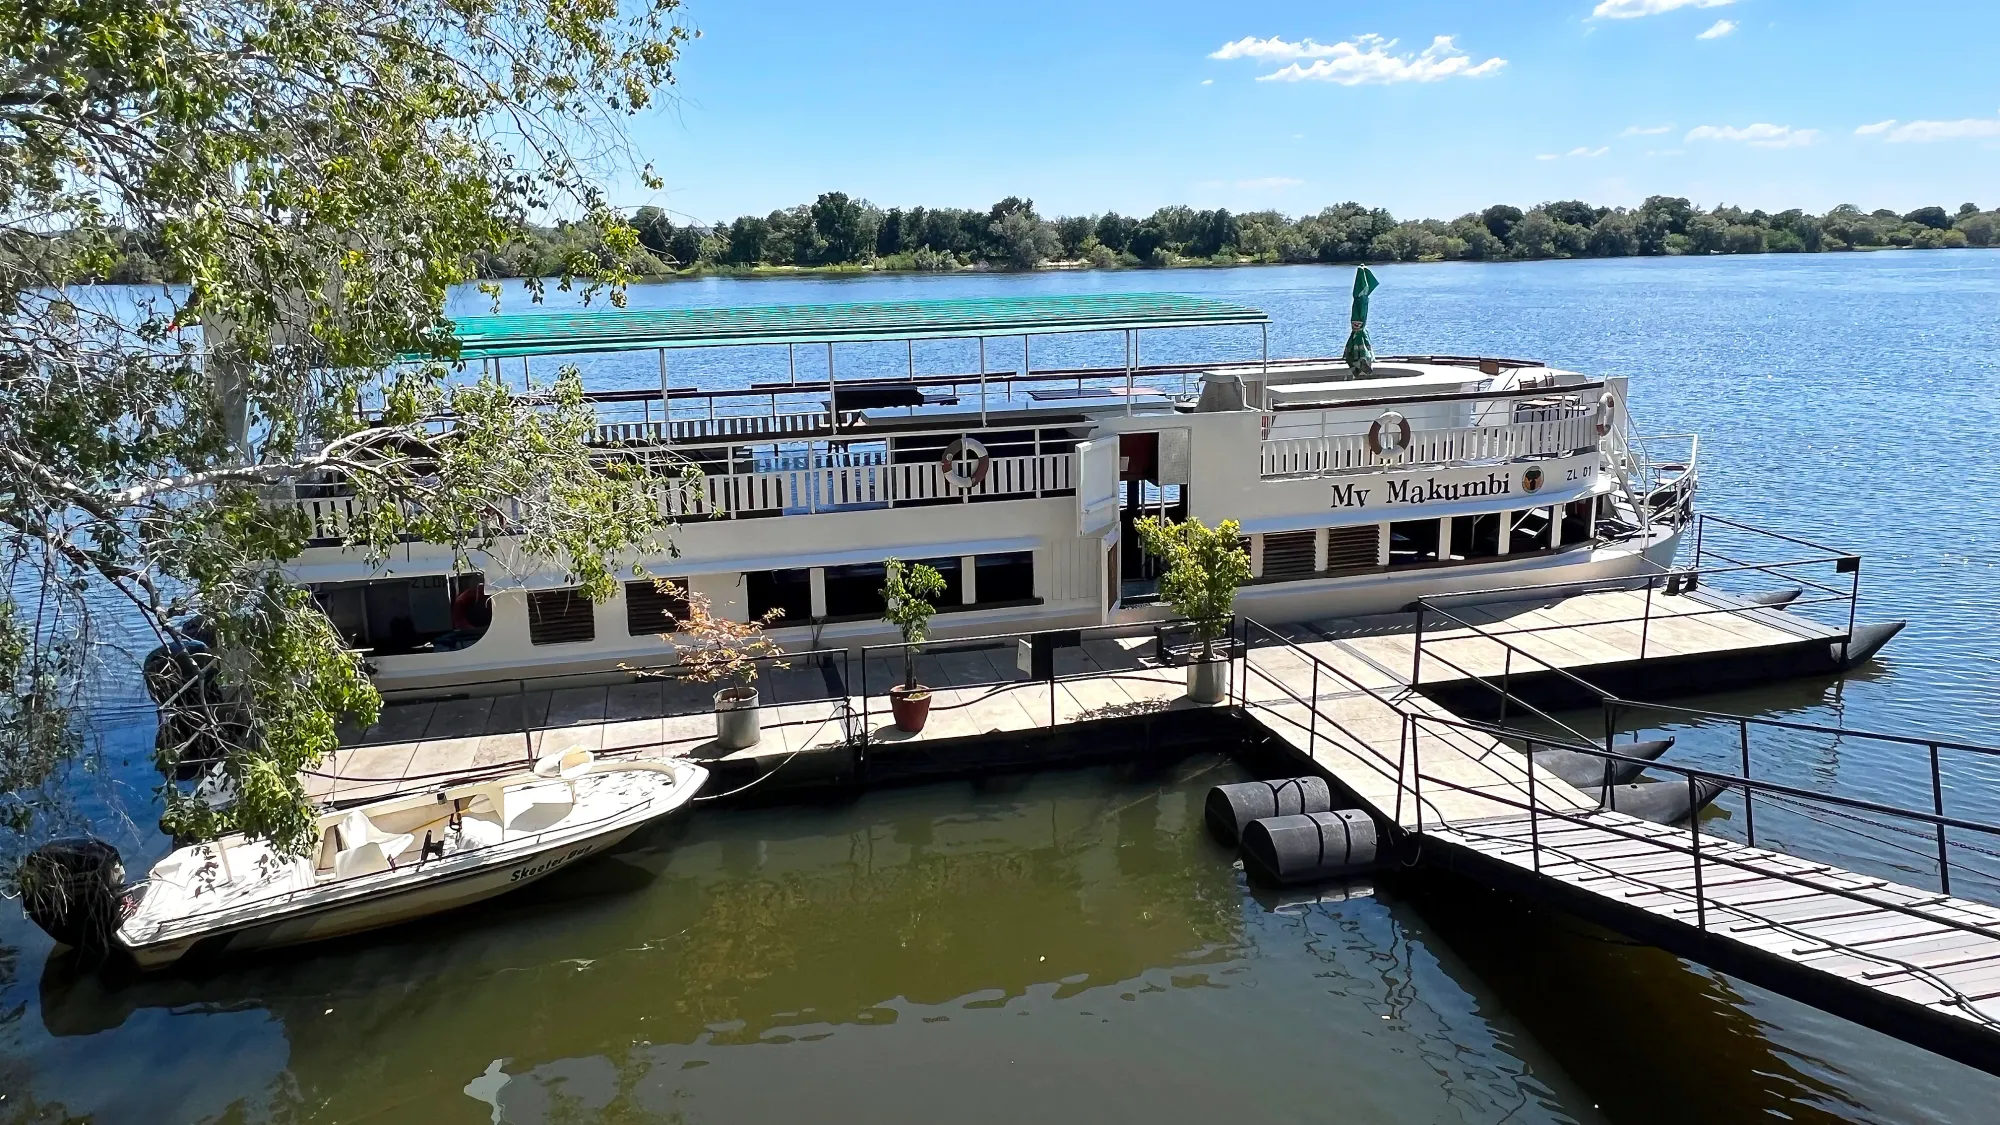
(1427,719)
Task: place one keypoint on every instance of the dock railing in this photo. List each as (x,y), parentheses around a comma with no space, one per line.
(1664,582)
(1617,712)
(1704,855)
(811,663)
(1702,859)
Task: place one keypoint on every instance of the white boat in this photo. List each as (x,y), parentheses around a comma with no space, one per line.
(823,440)
(397,859)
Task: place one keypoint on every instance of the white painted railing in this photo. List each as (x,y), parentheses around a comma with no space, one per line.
(1349,453)
(798,491)
(824,488)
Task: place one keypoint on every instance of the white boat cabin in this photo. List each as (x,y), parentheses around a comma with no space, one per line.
(1356,492)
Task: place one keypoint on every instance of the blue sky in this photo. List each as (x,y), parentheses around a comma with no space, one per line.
(1089,106)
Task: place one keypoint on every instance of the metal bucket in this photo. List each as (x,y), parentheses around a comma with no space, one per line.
(1208,680)
(738,726)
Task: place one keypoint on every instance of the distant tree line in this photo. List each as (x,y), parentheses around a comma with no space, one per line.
(839,232)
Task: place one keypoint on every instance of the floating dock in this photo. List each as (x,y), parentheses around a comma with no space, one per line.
(1374,705)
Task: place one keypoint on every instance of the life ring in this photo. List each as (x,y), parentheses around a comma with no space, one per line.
(1607,410)
(965,463)
(1389,434)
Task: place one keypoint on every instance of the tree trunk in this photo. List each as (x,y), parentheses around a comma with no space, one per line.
(909,668)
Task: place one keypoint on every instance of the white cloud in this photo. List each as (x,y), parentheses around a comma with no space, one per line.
(1719,29)
(1646,130)
(1756,136)
(1924,132)
(1589,153)
(1273,49)
(1369,61)
(1633,9)
(1208,81)
(1877,128)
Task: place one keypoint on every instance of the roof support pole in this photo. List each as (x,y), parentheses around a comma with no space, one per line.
(792,363)
(832,396)
(982,381)
(1128,373)
(910,346)
(665,411)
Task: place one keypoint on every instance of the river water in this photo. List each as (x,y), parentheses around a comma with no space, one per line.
(1069,945)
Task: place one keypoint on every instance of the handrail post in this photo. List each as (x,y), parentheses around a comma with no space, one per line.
(1937,809)
(1610,744)
(1417,647)
(1506,681)
(1416,772)
(1534,810)
(1853,603)
(1312,710)
(864,697)
(521,704)
(1646,620)
(1694,831)
(1749,813)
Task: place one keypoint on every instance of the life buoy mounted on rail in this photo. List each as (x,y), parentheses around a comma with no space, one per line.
(965,463)
(1389,434)
(1607,412)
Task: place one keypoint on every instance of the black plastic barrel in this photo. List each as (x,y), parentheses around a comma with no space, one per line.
(1230,807)
(1310,847)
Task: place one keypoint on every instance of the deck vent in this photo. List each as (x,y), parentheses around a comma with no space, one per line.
(560,617)
(1352,548)
(1288,554)
(650,610)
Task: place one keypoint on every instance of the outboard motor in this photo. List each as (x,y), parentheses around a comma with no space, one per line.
(74,889)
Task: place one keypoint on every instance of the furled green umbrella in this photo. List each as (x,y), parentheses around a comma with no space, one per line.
(1360,354)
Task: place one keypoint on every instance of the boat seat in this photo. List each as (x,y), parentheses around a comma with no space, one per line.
(367,849)
(533,808)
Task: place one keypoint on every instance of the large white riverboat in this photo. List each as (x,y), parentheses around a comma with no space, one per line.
(1019,480)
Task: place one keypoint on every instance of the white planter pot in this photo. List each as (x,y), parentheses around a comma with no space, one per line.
(1208,680)
(738,725)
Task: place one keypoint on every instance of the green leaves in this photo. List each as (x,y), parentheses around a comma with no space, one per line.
(1204,567)
(316,176)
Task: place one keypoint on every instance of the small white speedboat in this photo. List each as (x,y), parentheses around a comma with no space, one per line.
(400,858)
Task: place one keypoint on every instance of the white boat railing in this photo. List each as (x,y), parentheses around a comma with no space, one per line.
(795,491)
(1351,453)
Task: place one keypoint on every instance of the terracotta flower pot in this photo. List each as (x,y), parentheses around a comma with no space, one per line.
(911,705)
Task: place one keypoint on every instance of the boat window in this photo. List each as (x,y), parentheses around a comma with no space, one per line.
(560,617)
(1288,555)
(1475,537)
(1413,542)
(395,616)
(789,591)
(1531,531)
(855,590)
(1350,549)
(655,606)
(1004,578)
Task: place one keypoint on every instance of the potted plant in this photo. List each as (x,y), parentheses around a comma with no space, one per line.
(906,596)
(717,649)
(1204,566)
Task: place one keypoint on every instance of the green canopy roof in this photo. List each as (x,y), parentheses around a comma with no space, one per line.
(611,330)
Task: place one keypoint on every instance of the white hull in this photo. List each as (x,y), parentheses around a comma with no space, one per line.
(339,908)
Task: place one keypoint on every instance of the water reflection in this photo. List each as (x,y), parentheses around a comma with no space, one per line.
(1067,944)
